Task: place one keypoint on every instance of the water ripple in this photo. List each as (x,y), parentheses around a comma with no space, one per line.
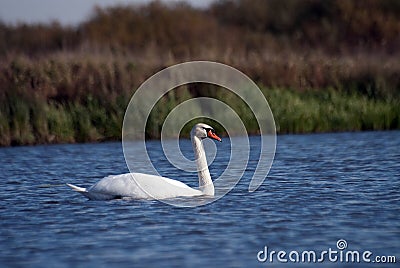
(321,188)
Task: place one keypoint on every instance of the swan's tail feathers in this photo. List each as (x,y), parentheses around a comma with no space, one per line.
(77,189)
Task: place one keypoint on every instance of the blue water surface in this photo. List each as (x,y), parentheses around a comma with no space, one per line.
(321,188)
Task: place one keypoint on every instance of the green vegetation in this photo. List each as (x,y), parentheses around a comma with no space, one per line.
(328,111)
(30,121)
(323,66)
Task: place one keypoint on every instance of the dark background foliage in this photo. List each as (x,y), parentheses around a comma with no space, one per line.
(323,65)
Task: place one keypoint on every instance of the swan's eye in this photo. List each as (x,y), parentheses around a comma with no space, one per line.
(209,129)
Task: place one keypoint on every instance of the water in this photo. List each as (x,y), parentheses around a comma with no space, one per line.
(321,188)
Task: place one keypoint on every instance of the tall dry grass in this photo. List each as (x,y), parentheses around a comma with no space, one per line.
(324,65)
(67,99)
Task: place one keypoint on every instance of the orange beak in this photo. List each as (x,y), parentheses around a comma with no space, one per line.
(214,136)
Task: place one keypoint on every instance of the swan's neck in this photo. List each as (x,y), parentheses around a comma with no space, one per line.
(205,183)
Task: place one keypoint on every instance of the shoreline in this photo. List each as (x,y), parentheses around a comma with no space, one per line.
(222,136)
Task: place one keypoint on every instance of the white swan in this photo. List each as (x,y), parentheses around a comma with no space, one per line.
(145,186)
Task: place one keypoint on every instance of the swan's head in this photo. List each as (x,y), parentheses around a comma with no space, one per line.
(202,131)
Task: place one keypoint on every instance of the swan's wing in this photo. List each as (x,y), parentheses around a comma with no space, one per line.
(161,187)
(142,186)
(168,181)
(118,186)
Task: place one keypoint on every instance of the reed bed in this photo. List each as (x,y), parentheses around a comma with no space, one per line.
(323,66)
(64,99)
